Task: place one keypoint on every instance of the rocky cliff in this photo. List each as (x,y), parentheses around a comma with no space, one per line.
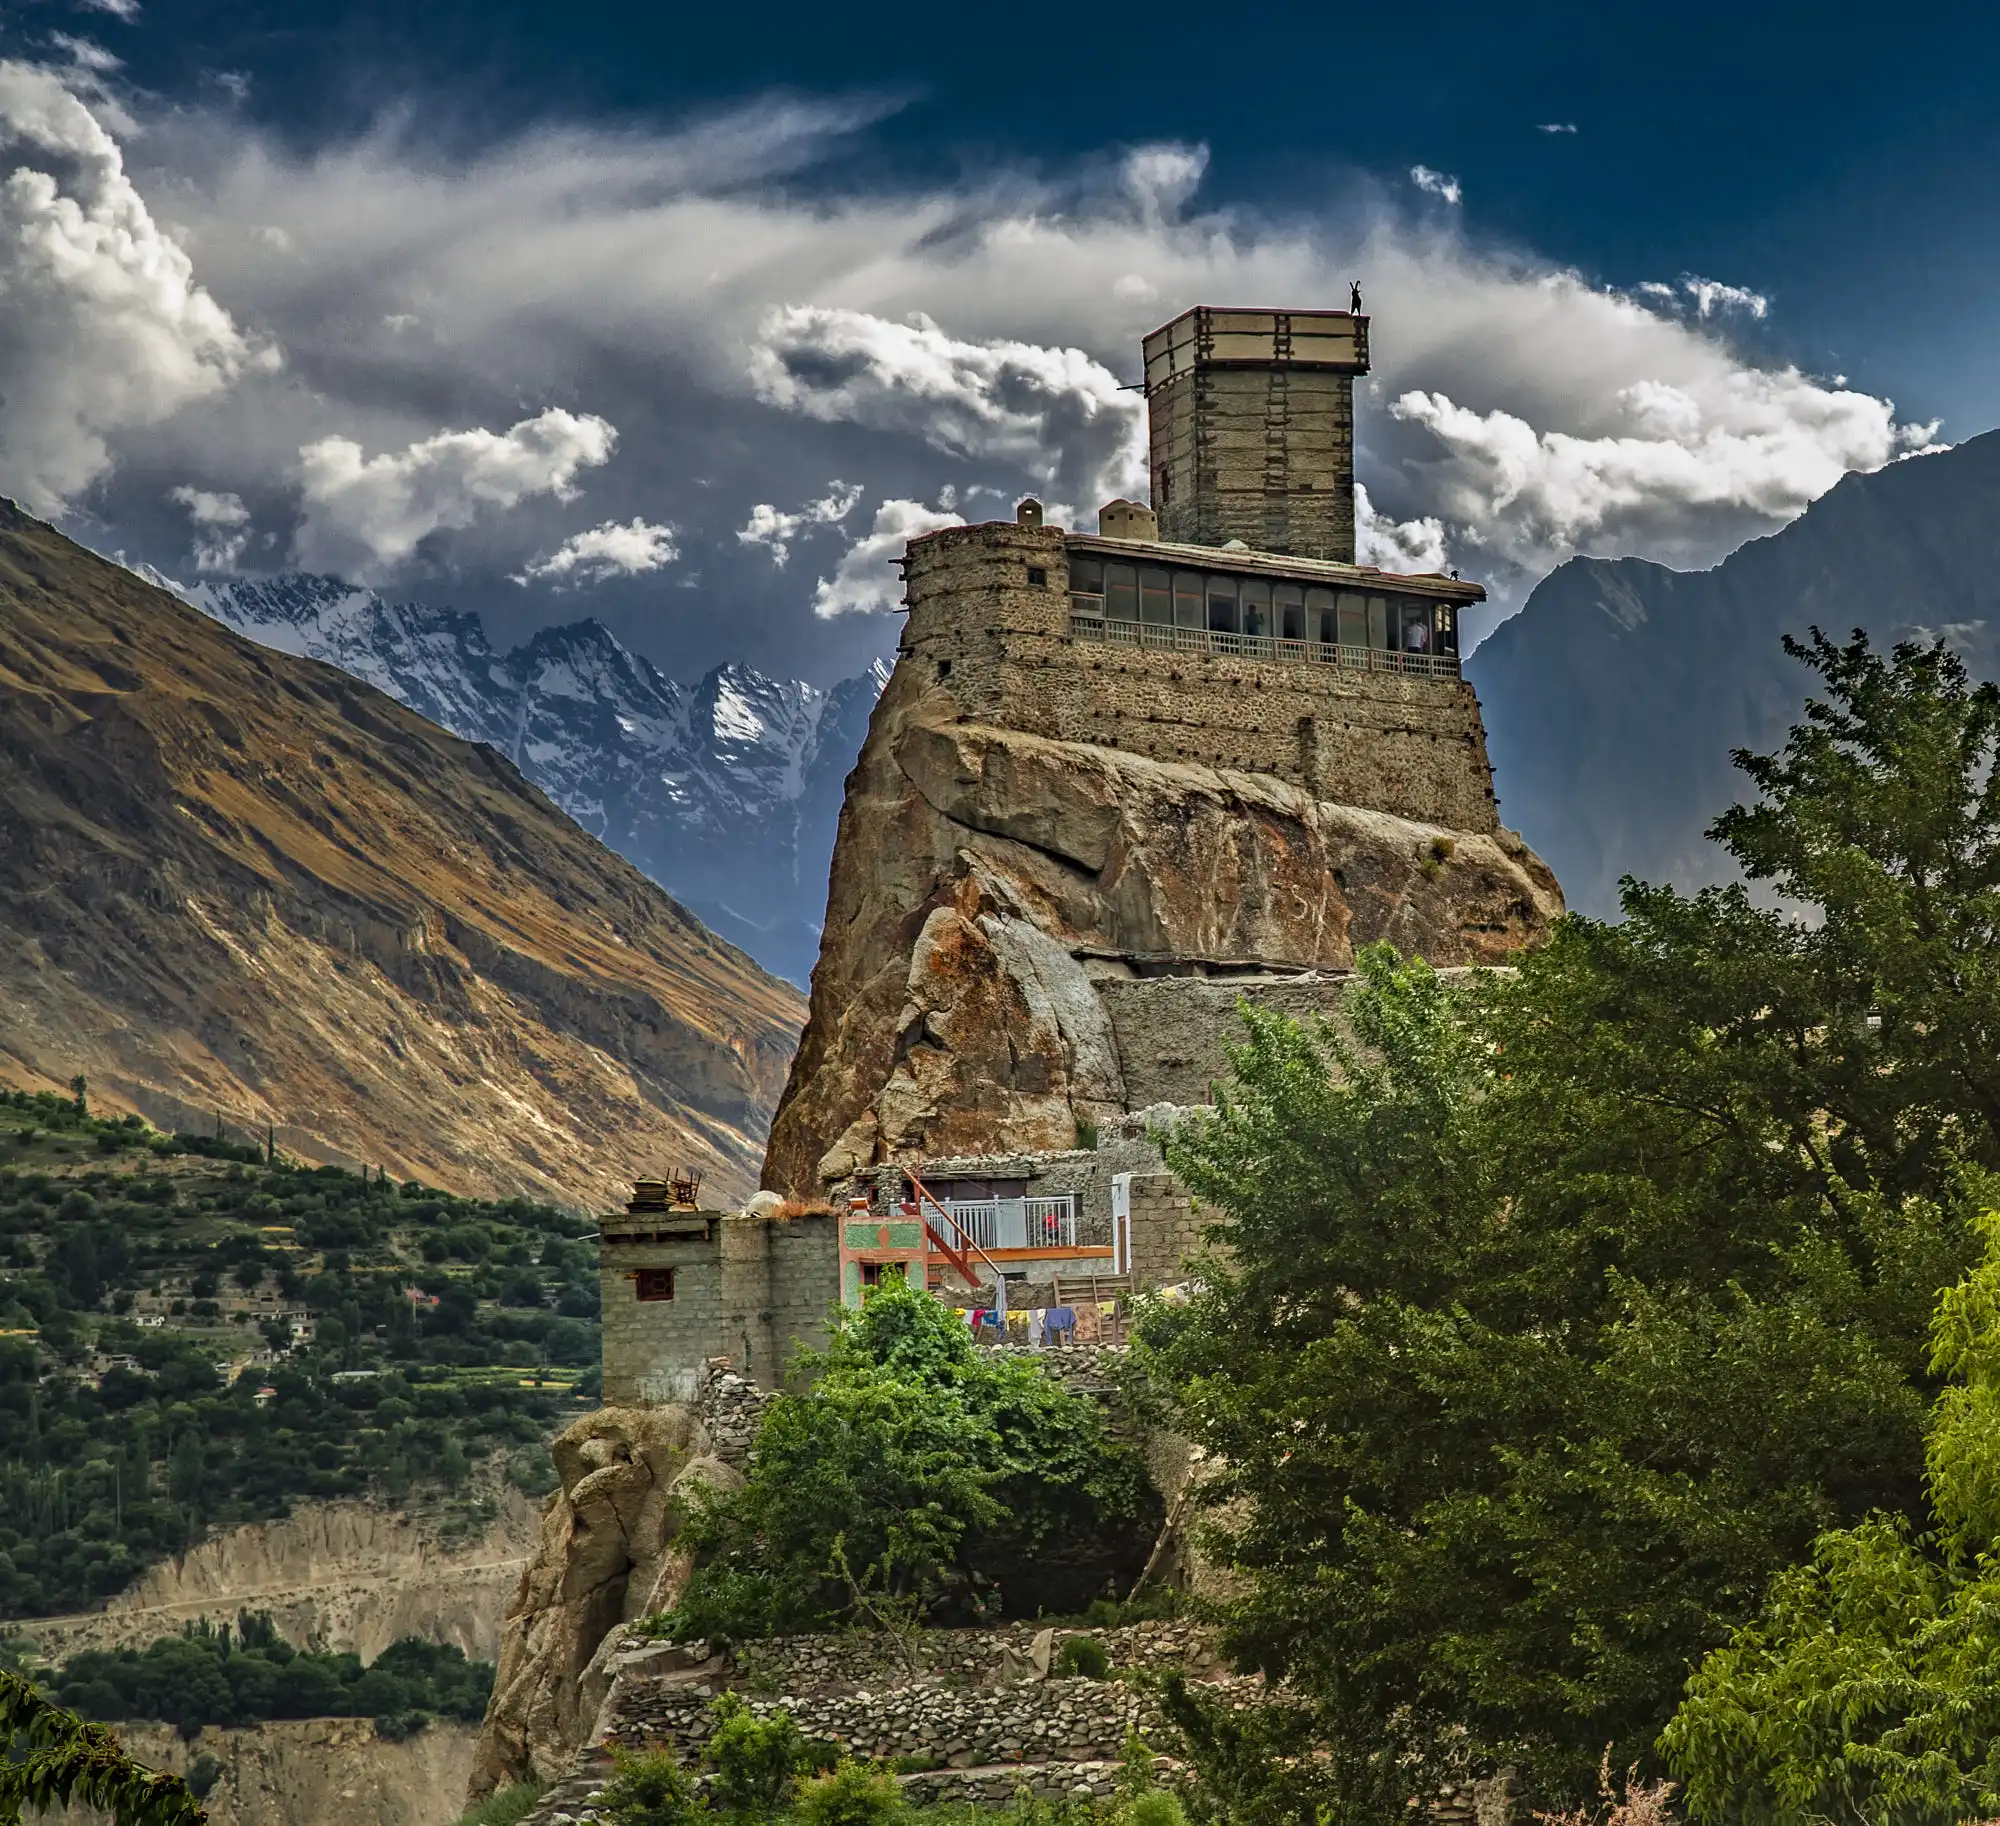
(986,882)
(346,1577)
(311,1772)
(605,1557)
(236,881)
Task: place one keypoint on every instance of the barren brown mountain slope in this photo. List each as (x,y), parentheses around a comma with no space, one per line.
(235,881)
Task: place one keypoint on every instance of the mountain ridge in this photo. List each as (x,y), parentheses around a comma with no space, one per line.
(1614,699)
(234,880)
(719,790)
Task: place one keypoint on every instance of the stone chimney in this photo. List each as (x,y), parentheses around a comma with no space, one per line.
(1252,417)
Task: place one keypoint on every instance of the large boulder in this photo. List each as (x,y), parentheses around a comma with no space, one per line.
(985,880)
(606,1557)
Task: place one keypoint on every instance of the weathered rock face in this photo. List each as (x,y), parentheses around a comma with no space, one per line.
(344,1577)
(606,1558)
(985,880)
(309,1772)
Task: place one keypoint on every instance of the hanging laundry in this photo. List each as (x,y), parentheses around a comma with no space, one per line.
(1037,1315)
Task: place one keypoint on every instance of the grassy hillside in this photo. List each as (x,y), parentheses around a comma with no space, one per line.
(191,1336)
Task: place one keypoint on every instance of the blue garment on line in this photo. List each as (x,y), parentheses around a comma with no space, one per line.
(1062,1318)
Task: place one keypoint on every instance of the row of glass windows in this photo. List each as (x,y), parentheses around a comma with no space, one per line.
(1258,605)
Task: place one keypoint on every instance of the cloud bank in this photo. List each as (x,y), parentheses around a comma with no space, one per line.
(752,334)
(103,328)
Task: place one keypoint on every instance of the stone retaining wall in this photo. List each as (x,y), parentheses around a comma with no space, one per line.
(981,1697)
(811,1664)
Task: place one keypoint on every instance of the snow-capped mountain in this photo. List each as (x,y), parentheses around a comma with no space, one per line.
(725,793)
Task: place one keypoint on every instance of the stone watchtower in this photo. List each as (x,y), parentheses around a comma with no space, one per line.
(681,1285)
(1253,428)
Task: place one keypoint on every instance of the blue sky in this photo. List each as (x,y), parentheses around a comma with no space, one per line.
(418,224)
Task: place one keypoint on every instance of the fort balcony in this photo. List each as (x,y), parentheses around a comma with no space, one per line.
(1261,646)
(1016,1223)
(1262,606)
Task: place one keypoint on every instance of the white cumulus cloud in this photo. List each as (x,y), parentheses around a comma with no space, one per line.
(1053,411)
(221,525)
(605,552)
(866,582)
(1438,183)
(1556,126)
(1761,443)
(1410,546)
(776,531)
(103,330)
(363,512)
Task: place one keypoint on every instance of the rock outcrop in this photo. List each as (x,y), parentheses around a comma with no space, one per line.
(985,880)
(606,1557)
(309,1772)
(342,1577)
(236,883)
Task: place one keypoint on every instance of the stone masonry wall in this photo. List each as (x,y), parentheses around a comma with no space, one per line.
(1174,1032)
(1166,1228)
(1001,644)
(981,1697)
(753,1294)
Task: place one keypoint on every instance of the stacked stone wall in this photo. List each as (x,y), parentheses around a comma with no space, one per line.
(1166,1228)
(1001,645)
(982,1697)
(753,1293)
(653,1349)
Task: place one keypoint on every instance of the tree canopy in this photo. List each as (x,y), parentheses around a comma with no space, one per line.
(916,1476)
(1869,1687)
(1562,1310)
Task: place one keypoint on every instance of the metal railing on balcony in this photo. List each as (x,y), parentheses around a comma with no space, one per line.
(1017,1223)
(1262,646)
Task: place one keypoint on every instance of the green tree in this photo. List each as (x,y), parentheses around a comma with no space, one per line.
(851,1794)
(922,1458)
(649,1790)
(1562,1311)
(58,1759)
(1869,1687)
(756,1760)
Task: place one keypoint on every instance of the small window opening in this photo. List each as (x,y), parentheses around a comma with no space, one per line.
(655,1283)
(1038,576)
(944,668)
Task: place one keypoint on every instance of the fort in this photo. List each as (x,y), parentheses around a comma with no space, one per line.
(1120,781)
(1289,661)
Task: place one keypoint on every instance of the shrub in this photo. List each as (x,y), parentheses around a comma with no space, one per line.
(756,1760)
(504,1807)
(1085,1656)
(854,1794)
(650,1790)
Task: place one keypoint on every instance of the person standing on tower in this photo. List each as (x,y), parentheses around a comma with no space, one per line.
(1354,296)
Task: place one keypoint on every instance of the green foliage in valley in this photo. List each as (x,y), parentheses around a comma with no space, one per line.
(1561,1313)
(210,1676)
(1869,1687)
(917,1478)
(190,1341)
